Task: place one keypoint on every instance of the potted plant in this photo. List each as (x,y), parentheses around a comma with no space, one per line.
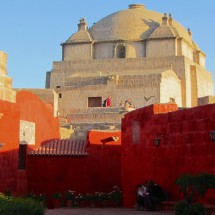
(70,197)
(83,200)
(116,196)
(41,198)
(56,199)
(93,198)
(104,197)
(193,187)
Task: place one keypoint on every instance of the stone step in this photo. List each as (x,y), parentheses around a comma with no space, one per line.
(108,117)
(98,110)
(81,129)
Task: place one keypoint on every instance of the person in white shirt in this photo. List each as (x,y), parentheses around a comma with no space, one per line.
(141,194)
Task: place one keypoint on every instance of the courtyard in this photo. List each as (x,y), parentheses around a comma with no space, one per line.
(102,211)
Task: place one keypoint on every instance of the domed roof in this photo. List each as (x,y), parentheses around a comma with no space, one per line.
(135,23)
(82,35)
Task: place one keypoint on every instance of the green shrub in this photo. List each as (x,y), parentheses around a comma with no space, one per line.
(116,194)
(193,187)
(69,195)
(56,195)
(20,206)
(185,208)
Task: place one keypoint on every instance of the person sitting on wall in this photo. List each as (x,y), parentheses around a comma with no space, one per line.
(140,198)
(129,106)
(155,196)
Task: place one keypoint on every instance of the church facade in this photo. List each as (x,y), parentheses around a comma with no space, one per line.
(135,53)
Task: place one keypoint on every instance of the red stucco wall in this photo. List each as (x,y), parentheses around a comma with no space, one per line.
(99,171)
(185,147)
(9,136)
(30,108)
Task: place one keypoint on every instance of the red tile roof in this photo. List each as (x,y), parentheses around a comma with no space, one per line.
(64,147)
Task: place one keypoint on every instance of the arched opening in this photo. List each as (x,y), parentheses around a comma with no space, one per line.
(120,51)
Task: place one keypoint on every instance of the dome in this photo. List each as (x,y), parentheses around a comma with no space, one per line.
(82,35)
(135,23)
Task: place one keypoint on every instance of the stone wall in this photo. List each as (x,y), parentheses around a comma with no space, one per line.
(202,60)
(6,92)
(137,49)
(98,118)
(76,52)
(143,90)
(3,63)
(135,87)
(85,81)
(187,80)
(107,50)
(187,51)
(206,100)
(91,76)
(115,65)
(62,70)
(81,129)
(93,117)
(103,50)
(161,48)
(205,83)
(170,88)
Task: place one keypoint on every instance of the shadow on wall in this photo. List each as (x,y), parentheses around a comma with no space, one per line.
(15,181)
(152,26)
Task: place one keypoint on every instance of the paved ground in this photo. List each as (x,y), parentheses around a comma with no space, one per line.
(102,211)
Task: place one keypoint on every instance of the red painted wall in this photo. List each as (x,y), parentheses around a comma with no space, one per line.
(27,107)
(99,171)
(185,147)
(9,136)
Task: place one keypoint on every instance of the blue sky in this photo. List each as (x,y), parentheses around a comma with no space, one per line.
(31,31)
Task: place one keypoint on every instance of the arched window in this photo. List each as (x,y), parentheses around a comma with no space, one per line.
(120,51)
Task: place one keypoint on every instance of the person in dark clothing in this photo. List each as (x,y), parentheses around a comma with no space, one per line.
(155,196)
(141,194)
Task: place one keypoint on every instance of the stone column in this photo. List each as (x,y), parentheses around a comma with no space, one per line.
(6,92)
(3,63)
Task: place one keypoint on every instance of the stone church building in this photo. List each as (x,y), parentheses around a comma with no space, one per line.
(137,54)
(134,53)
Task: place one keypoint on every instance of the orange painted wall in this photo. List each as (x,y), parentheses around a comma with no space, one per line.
(28,107)
(34,110)
(9,136)
(185,147)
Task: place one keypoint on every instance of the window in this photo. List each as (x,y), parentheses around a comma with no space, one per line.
(60,95)
(94,101)
(136,132)
(120,51)
(22,156)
